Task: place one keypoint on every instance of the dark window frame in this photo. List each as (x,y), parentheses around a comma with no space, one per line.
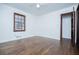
(22,25)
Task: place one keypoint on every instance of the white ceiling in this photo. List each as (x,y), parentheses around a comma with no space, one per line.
(44,7)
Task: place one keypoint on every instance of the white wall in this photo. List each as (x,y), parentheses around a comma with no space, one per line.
(6,24)
(48,25)
(66,26)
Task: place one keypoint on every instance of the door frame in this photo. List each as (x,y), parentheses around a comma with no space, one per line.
(61,16)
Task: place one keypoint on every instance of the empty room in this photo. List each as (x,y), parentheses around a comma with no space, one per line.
(39,29)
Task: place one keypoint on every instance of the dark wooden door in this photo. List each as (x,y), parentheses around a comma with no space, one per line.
(73,29)
(77,29)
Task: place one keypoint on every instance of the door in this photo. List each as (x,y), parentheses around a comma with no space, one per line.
(72,31)
(77,43)
(77,32)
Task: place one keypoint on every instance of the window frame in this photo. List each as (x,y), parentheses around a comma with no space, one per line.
(15,26)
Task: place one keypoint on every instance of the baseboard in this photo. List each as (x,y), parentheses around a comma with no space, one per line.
(16,39)
(49,37)
(27,37)
(66,38)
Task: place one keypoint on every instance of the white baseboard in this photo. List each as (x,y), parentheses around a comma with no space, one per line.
(26,37)
(15,39)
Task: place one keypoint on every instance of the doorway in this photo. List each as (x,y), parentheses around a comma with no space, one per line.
(67,28)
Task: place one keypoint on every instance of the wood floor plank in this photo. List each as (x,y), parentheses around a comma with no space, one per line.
(37,46)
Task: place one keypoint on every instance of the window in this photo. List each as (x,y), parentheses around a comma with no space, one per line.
(19,22)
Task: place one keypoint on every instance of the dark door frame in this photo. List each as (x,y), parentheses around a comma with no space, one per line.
(72,17)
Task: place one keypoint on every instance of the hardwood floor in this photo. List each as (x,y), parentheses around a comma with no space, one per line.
(37,46)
